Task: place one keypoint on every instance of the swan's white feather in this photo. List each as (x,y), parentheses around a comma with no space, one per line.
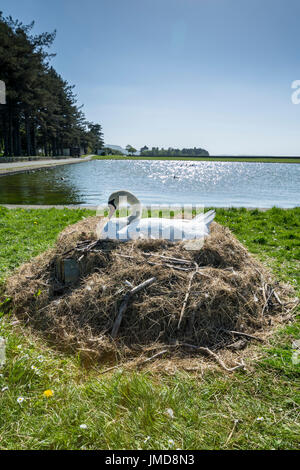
(158,228)
(152,227)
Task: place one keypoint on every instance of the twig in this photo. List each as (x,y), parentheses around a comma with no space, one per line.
(241,365)
(277,297)
(266,302)
(232,431)
(164,265)
(160,353)
(186,298)
(210,353)
(118,366)
(239,333)
(110,368)
(197,271)
(289,312)
(296,301)
(125,256)
(124,304)
(174,260)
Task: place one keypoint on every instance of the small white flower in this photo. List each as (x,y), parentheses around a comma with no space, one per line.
(4,388)
(171,442)
(170,412)
(83,426)
(260,418)
(24,357)
(20,399)
(40,358)
(33,367)
(147,439)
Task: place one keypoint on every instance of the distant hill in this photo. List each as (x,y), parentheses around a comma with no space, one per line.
(116,147)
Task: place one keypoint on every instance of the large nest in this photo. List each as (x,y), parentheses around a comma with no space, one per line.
(230,291)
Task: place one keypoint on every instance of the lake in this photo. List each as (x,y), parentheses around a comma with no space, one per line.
(219,184)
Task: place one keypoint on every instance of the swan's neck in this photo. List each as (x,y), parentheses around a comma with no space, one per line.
(136,213)
(123,198)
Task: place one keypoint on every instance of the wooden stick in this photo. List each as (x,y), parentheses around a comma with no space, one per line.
(277,297)
(160,353)
(220,362)
(210,353)
(107,370)
(168,266)
(188,292)
(118,366)
(239,333)
(175,260)
(266,302)
(125,302)
(289,312)
(186,298)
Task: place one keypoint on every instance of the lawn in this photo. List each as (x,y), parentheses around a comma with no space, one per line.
(258,409)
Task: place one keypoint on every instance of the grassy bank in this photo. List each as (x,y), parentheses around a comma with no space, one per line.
(122,410)
(202,159)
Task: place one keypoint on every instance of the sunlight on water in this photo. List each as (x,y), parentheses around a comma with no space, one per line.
(219,184)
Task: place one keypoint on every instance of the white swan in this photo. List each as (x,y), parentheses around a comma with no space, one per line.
(135,227)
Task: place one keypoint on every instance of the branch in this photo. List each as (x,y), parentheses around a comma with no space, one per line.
(124,304)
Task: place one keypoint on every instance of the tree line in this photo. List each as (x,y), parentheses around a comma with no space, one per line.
(171,152)
(41,114)
(157,152)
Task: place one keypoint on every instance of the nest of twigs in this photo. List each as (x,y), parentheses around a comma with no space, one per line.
(190,298)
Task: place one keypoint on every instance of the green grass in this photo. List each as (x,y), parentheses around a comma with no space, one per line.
(26,233)
(122,409)
(202,159)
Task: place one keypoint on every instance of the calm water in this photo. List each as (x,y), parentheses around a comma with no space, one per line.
(209,183)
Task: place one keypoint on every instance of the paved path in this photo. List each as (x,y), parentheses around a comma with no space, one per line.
(19,167)
(48,206)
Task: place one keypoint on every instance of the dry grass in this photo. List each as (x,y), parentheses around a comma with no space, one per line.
(230,291)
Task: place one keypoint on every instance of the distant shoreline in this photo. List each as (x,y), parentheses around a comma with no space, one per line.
(204,159)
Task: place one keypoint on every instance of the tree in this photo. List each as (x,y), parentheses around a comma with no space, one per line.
(131,150)
(41,114)
(95,137)
(144,149)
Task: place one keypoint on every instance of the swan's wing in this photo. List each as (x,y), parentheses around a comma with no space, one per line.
(111,230)
(166,229)
(209,217)
(206,217)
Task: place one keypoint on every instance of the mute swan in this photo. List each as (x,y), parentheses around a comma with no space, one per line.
(134,227)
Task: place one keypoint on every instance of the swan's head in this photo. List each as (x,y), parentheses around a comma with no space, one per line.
(113,204)
(120,198)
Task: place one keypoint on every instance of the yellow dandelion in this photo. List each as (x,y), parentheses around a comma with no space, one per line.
(48,393)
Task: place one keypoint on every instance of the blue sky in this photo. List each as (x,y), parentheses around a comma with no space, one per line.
(182,73)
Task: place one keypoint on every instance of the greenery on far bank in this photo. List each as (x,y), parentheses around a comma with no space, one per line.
(201,159)
(171,152)
(254,410)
